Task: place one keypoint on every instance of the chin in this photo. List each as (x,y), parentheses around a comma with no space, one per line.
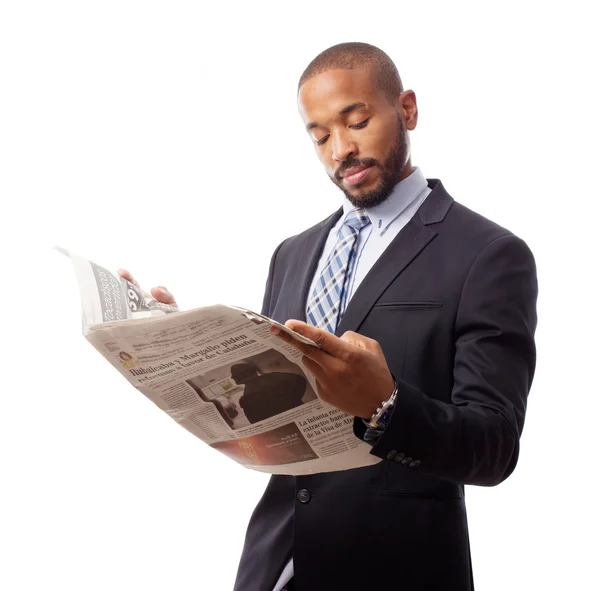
(368,197)
(359,192)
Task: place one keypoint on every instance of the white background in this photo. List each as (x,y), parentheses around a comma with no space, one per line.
(164,137)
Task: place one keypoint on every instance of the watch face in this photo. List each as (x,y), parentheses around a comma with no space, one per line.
(385,416)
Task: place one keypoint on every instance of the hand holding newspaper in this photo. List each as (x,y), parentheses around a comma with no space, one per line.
(220,373)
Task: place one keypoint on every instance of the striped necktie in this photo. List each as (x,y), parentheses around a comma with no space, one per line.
(328,301)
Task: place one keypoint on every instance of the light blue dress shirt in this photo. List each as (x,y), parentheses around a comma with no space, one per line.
(387,219)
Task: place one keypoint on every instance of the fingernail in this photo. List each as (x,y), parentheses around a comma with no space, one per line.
(165,290)
(275,330)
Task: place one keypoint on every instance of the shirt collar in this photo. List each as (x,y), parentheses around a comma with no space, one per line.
(404,193)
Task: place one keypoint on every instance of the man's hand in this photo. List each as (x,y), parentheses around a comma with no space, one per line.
(351,372)
(160,294)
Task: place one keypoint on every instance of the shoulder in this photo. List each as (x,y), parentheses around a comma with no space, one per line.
(474,226)
(473,233)
(468,244)
(462,231)
(491,260)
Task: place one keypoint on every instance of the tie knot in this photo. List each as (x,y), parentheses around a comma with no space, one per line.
(357,219)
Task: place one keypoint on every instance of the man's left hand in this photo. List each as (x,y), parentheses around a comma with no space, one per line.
(351,371)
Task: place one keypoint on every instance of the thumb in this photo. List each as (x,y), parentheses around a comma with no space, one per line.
(162,294)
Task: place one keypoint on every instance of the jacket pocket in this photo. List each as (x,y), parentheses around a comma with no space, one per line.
(422,305)
(439,495)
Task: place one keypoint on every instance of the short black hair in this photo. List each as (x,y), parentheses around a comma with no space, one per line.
(347,56)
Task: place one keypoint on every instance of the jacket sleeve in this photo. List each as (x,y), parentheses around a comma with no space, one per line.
(474,438)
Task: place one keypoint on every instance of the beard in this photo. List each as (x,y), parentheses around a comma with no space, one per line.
(391,172)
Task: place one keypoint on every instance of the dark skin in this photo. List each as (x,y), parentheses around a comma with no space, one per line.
(348,118)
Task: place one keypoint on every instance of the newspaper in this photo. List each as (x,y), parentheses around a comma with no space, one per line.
(220,373)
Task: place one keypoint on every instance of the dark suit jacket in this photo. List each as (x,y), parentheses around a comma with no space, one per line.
(452,304)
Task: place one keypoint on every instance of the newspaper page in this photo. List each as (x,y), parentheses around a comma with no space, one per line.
(220,373)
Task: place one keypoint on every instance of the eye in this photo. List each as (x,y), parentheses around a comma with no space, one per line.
(360,125)
(322,140)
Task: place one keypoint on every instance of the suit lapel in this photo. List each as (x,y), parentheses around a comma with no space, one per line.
(405,247)
(306,265)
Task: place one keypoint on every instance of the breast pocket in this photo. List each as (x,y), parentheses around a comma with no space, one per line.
(415,305)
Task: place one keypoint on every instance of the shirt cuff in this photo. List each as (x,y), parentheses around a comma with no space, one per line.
(372,436)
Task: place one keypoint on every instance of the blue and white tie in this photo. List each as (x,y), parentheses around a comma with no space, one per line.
(328,301)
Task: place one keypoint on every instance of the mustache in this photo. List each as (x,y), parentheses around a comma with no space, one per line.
(344,166)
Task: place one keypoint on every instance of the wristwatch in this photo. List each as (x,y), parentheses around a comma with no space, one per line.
(381,417)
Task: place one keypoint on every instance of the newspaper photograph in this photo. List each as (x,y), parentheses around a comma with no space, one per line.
(220,373)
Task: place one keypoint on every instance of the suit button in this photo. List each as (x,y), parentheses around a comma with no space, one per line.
(391,454)
(415,463)
(303,496)
(399,457)
(407,460)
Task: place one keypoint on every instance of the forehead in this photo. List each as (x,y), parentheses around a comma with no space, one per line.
(329,92)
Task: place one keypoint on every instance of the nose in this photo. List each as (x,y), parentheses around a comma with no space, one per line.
(343,148)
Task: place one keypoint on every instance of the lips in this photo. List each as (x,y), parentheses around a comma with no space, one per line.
(356,175)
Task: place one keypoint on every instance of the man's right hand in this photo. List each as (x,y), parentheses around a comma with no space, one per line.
(160,293)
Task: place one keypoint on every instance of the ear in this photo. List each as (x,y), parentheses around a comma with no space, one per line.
(407,102)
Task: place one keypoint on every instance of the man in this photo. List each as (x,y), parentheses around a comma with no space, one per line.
(424,313)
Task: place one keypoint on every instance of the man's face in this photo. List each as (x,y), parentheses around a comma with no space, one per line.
(359,136)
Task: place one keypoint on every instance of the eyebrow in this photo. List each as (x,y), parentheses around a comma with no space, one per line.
(344,111)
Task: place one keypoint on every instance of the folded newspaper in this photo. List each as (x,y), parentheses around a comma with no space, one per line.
(220,373)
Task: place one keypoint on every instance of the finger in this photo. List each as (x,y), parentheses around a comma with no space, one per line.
(358,340)
(316,370)
(127,275)
(313,367)
(309,351)
(162,294)
(325,377)
(325,340)
(290,340)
